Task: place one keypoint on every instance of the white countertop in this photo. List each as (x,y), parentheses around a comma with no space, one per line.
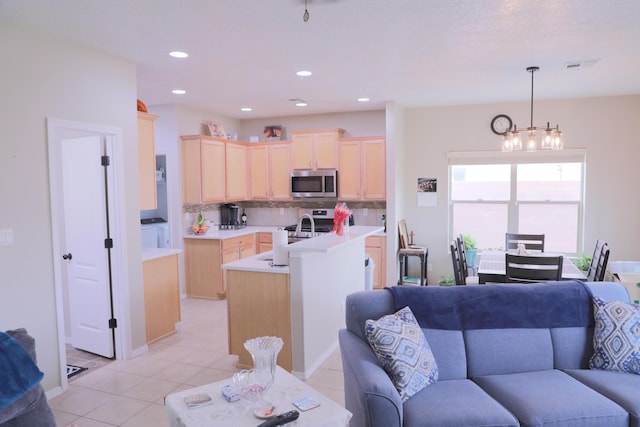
(153,253)
(321,244)
(215,233)
(329,241)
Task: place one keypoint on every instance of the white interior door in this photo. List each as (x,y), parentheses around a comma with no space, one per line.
(86,258)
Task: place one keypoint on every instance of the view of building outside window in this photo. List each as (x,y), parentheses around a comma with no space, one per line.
(488,200)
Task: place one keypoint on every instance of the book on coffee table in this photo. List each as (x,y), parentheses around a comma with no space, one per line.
(198,400)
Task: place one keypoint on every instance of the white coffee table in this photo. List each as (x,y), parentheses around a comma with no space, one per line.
(286,389)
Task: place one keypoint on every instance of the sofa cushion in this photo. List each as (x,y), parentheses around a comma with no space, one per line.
(616,337)
(449,350)
(455,403)
(508,351)
(572,347)
(620,387)
(403,351)
(552,398)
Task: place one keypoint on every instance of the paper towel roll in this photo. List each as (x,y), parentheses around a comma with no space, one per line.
(280,241)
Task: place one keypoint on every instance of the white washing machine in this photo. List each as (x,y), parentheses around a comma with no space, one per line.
(155,234)
(149,236)
(163,235)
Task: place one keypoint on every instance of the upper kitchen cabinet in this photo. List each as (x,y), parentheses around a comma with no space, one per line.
(270,165)
(236,171)
(361,175)
(315,149)
(203,169)
(147,161)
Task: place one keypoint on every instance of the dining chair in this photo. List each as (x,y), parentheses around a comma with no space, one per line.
(532,268)
(598,266)
(455,259)
(532,242)
(464,266)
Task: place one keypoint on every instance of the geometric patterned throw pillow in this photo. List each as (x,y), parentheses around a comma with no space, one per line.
(616,337)
(403,351)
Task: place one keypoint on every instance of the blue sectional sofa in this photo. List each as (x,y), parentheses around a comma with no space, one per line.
(506,355)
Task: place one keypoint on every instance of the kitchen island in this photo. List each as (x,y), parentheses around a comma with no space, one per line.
(302,303)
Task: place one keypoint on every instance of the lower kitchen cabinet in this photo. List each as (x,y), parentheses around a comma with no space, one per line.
(161,296)
(375,246)
(203,259)
(265,242)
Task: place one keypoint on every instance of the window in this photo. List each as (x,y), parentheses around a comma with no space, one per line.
(532,193)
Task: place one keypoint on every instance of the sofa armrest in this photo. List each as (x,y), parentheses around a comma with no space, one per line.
(369,393)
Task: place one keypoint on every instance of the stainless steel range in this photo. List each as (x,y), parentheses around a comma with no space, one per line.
(312,222)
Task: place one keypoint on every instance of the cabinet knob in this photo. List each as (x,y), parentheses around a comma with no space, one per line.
(67,256)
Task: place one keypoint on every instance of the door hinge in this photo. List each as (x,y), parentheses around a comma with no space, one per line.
(113,323)
(108,243)
(104,160)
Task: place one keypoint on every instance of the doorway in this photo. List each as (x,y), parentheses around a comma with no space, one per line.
(86,207)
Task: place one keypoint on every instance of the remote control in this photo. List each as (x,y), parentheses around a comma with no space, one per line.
(281,419)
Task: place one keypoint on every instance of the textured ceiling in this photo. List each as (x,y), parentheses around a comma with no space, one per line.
(414,52)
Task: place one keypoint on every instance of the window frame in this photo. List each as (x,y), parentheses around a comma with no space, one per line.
(513,159)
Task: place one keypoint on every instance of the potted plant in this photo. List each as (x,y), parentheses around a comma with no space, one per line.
(582,262)
(470,248)
(446,281)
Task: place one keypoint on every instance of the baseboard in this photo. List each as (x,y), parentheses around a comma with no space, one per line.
(139,351)
(54,392)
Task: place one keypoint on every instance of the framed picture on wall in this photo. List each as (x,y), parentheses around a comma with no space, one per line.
(216,130)
(272,133)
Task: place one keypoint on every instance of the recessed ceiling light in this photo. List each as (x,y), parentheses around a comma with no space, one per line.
(179,91)
(364,99)
(178,54)
(304,73)
(246,109)
(301,104)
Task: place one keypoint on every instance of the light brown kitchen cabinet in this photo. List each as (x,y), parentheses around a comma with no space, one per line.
(161,296)
(264,242)
(203,169)
(147,161)
(269,167)
(203,259)
(315,149)
(236,171)
(375,247)
(361,175)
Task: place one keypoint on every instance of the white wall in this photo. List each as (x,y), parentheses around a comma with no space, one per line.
(363,123)
(46,77)
(605,127)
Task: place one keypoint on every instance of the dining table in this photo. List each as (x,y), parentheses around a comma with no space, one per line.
(492,267)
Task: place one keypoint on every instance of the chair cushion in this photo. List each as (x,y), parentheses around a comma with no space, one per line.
(403,351)
(616,338)
(552,398)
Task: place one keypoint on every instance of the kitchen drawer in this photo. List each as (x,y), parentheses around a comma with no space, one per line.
(235,243)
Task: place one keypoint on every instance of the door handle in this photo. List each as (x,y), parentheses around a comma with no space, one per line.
(67,256)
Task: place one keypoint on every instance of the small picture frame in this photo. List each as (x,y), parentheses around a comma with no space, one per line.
(216,130)
(272,133)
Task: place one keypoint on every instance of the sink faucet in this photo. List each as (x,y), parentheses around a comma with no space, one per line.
(313,224)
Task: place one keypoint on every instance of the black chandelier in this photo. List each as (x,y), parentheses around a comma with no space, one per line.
(549,138)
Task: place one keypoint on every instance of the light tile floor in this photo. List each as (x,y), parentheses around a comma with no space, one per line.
(130,393)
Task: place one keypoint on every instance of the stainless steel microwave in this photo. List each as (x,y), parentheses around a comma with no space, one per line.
(318,183)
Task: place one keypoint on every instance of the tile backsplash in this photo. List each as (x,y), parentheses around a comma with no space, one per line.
(283,214)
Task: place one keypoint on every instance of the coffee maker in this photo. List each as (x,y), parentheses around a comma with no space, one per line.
(229,216)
